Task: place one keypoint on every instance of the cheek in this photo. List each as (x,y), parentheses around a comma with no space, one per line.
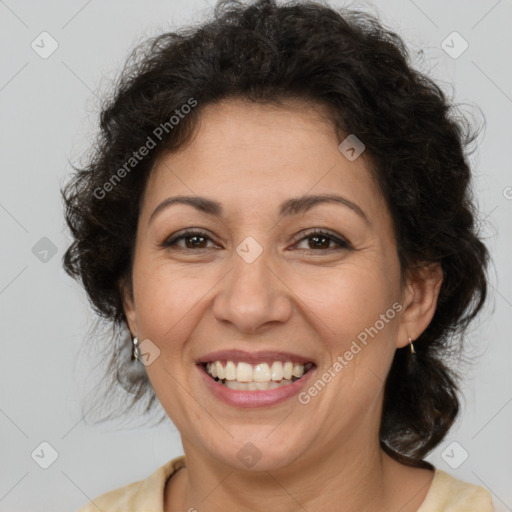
(167,300)
(357,315)
(347,299)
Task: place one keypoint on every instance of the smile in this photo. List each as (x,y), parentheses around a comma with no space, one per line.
(251,377)
(264,378)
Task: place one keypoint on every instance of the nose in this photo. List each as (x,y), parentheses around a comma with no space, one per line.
(252,295)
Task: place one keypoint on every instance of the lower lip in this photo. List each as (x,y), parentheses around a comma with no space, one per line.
(257,398)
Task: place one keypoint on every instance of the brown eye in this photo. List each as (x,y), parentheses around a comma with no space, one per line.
(322,240)
(192,240)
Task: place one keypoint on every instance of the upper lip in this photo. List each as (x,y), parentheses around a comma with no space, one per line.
(253,357)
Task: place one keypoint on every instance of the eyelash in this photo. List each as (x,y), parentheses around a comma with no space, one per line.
(342,243)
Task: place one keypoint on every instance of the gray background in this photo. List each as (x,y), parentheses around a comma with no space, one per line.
(49,113)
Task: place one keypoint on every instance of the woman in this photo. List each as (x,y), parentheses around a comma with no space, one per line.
(279,213)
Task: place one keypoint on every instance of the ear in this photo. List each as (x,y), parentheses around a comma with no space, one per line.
(419,301)
(126,291)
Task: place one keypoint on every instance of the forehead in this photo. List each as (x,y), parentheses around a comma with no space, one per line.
(252,156)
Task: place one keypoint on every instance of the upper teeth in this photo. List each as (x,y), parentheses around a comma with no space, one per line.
(261,372)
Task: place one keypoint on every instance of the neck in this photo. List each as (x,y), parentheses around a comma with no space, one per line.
(353,477)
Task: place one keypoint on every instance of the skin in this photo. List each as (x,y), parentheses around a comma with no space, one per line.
(294,297)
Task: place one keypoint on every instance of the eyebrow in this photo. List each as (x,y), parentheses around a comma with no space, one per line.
(290,207)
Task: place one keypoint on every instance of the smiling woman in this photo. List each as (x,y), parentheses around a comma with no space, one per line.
(292,263)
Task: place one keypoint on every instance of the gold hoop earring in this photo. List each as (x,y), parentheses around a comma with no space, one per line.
(412,346)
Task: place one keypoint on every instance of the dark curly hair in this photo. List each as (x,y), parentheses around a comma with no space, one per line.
(347,61)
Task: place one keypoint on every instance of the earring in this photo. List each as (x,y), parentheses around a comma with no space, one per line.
(136,349)
(412,346)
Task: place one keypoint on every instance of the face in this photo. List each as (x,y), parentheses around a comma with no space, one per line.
(267,281)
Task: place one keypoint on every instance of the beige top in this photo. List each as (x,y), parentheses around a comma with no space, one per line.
(446,494)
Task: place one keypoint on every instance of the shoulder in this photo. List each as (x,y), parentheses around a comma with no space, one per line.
(449,494)
(144,495)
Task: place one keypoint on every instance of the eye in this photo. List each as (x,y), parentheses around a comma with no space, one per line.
(321,240)
(193,239)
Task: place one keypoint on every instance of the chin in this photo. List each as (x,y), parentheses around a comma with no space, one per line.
(254,453)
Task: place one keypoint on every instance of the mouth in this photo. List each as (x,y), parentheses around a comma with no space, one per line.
(260,376)
(255,379)
(238,373)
